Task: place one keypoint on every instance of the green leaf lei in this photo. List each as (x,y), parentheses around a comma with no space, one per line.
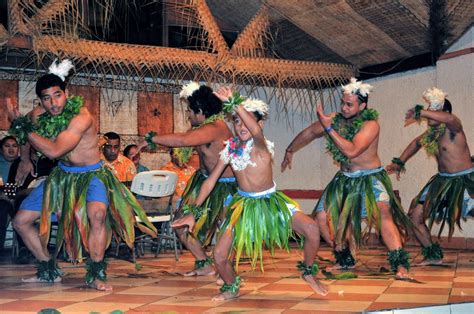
(20,128)
(48,270)
(233,287)
(196,211)
(347,131)
(149,139)
(417,109)
(203,262)
(307,269)
(50,126)
(432,252)
(399,257)
(96,270)
(234,101)
(430,139)
(185,153)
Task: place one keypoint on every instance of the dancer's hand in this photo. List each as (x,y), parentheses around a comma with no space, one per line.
(410,114)
(142,145)
(25,167)
(224,93)
(12,110)
(394,168)
(325,120)
(182,222)
(287,160)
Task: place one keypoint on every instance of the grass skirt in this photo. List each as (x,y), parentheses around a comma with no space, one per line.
(206,226)
(257,222)
(344,197)
(65,194)
(444,199)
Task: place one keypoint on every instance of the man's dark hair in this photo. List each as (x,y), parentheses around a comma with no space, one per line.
(447,106)
(258,116)
(6,138)
(203,100)
(128,148)
(48,81)
(112,136)
(363,99)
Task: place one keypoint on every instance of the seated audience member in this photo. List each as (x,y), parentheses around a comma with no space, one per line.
(8,154)
(179,164)
(121,166)
(42,167)
(132,153)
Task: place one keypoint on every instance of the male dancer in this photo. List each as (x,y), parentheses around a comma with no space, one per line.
(257,214)
(362,188)
(89,202)
(208,135)
(448,195)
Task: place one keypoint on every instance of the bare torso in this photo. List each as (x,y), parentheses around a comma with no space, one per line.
(209,153)
(260,177)
(454,154)
(368,159)
(86,151)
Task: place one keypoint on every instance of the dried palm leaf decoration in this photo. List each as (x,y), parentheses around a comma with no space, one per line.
(57,30)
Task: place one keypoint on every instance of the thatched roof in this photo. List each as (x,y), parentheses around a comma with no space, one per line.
(305,44)
(358,32)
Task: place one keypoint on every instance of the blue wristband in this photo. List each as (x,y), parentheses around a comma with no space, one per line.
(328,129)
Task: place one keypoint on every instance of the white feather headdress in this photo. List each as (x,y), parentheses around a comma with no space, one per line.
(435,98)
(61,69)
(357,87)
(188,89)
(252,105)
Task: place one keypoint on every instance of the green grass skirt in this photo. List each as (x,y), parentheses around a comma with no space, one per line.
(258,222)
(206,226)
(446,193)
(65,194)
(343,199)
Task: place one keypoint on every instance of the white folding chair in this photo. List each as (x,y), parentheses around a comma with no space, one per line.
(158,184)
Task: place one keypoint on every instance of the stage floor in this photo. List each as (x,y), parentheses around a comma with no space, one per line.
(158,287)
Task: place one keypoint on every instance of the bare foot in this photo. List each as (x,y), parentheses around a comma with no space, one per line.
(203,271)
(430,262)
(339,267)
(316,285)
(100,285)
(36,279)
(186,221)
(225,296)
(402,274)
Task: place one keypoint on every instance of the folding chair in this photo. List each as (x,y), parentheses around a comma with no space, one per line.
(158,184)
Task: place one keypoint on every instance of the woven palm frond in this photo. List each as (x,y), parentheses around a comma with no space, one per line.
(57,30)
(251,41)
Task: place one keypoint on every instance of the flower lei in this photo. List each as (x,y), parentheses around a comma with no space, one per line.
(430,139)
(347,131)
(238,154)
(185,153)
